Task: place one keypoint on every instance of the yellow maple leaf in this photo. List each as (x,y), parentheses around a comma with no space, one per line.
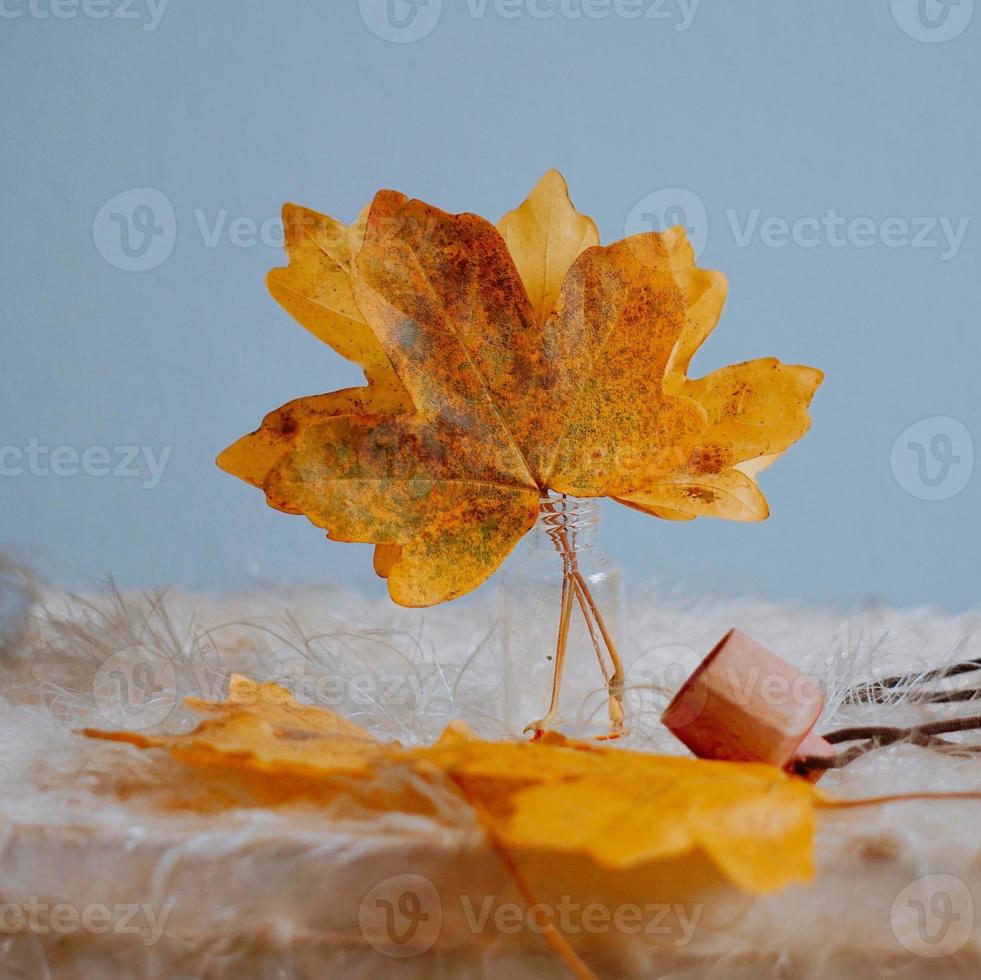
(262,727)
(625,808)
(621,809)
(545,235)
(504,364)
(316,289)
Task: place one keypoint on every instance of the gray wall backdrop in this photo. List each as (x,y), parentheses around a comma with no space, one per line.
(825,155)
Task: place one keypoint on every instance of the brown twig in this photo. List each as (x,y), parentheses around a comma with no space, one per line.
(901,685)
(881,731)
(879,736)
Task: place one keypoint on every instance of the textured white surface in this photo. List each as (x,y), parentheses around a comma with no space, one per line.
(257,893)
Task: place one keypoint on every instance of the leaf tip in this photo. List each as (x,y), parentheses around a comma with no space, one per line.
(553,176)
(385,557)
(276,283)
(813,378)
(225,460)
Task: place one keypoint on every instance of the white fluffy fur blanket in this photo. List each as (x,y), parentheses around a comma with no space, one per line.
(97,880)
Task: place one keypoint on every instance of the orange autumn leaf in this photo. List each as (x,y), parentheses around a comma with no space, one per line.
(621,809)
(504,363)
(261,727)
(316,288)
(545,236)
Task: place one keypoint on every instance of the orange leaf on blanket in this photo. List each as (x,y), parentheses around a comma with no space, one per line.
(262,727)
(501,364)
(620,808)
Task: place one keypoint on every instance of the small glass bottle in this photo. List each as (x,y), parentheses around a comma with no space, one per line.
(561,592)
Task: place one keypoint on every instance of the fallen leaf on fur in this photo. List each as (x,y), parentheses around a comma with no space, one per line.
(626,808)
(503,364)
(620,808)
(262,727)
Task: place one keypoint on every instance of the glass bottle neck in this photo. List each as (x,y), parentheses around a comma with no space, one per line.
(575,519)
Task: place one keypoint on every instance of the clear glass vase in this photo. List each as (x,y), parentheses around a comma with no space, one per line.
(562,620)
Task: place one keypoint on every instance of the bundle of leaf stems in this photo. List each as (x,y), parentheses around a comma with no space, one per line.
(575,590)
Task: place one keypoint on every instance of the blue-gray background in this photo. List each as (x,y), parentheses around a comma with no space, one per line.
(228,108)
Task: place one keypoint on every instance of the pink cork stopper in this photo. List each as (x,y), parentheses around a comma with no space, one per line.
(745,704)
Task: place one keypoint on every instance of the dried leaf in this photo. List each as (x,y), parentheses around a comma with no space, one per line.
(501,365)
(261,727)
(620,809)
(445,485)
(627,808)
(545,236)
(755,824)
(316,289)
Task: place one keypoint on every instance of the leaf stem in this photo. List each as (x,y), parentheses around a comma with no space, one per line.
(592,615)
(833,804)
(562,643)
(553,936)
